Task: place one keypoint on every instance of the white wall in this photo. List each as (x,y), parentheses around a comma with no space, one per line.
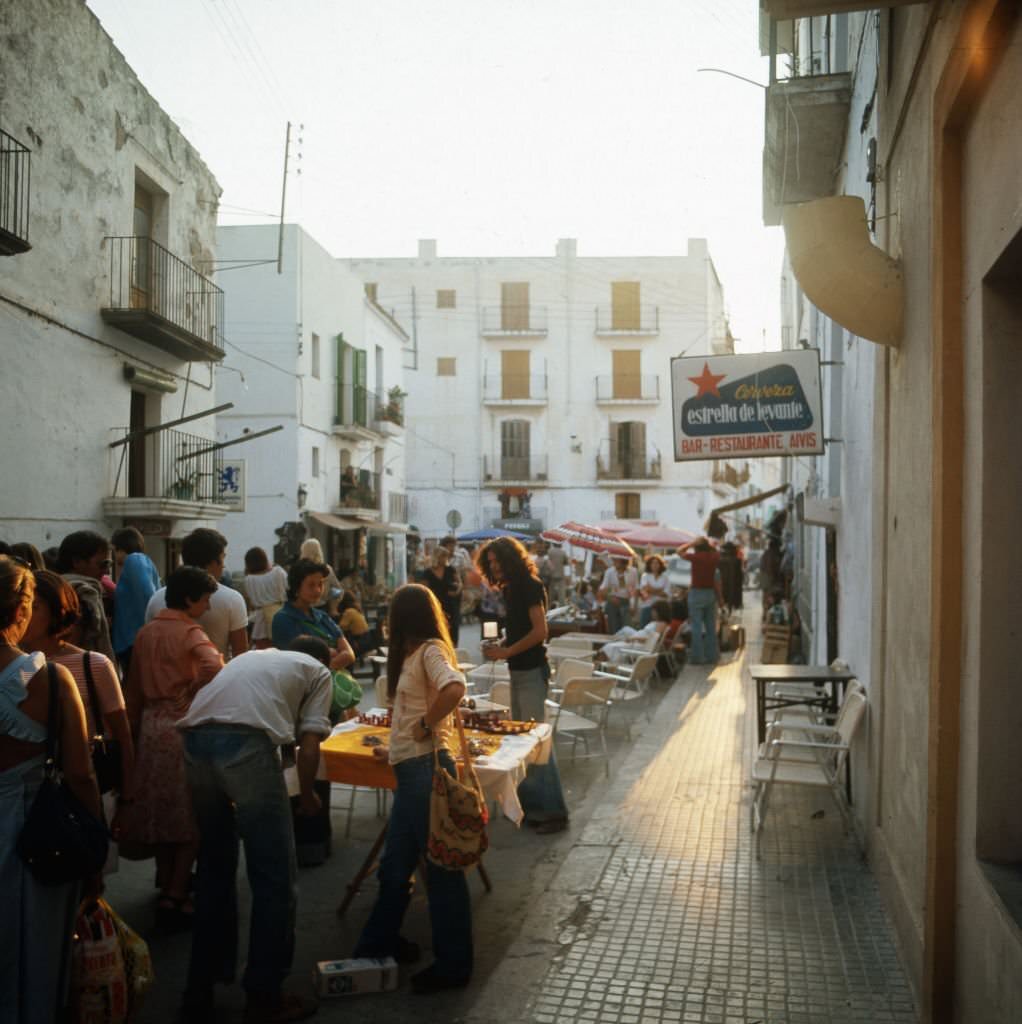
(71,98)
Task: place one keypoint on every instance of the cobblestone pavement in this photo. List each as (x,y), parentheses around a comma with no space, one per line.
(661,912)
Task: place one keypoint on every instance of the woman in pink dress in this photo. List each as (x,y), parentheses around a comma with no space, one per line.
(171,660)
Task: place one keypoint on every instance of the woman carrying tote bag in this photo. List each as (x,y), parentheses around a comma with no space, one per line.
(425,688)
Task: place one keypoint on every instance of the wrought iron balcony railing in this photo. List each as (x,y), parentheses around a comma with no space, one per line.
(514,388)
(15,182)
(159,298)
(634,387)
(506,468)
(629,319)
(517,318)
(360,490)
(168,464)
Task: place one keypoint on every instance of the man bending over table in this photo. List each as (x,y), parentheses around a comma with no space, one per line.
(257,702)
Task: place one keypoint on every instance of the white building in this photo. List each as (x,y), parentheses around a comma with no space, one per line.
(539,388)
(108,319)
(311,353)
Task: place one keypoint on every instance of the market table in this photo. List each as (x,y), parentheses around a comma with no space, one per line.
(590,638)
(349,761)
(818,675)
(558,627)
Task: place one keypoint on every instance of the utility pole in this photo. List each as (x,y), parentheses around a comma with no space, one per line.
(283,196)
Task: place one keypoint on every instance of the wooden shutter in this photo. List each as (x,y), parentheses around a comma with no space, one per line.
(627,505)
(514,306)
(624,301)
(629,451)
(514,450)
(514,375)
(358,365)
(627,374)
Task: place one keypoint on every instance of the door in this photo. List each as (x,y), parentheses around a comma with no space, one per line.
(514,450)
(514,306)
(624,306)
(137,447)
(628,450)
(141,262)
(627,374)
(627,505)
(514,375)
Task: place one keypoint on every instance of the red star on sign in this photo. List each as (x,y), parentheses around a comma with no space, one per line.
(707,382)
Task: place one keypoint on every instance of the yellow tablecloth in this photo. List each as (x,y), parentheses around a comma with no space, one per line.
(347,760)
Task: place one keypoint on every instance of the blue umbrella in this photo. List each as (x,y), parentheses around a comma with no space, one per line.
(490,534)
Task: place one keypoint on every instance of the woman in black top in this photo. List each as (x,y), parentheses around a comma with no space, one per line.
(506,564)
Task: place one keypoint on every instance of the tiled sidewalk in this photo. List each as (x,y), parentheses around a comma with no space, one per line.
(663,912)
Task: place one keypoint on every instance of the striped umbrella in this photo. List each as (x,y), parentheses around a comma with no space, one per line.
(592,538)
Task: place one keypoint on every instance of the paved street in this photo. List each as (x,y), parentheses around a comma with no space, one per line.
(651,908)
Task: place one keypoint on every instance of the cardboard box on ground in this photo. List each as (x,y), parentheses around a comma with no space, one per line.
(354,977)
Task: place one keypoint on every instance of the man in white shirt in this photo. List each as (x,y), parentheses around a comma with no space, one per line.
(231,733)
(618,588)
(226,622)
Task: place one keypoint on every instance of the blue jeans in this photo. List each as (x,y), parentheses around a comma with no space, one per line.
(540,791)
(450,911)
(238,792)
(616,610)
(702,615)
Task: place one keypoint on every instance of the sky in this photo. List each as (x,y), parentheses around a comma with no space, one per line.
(493,126)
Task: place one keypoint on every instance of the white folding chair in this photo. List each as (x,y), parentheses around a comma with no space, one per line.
(817,760)
(568,716)
(631,682)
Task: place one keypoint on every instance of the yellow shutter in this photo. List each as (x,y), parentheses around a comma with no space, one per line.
(627,374)
(514,306)
(624,300)
(514,375)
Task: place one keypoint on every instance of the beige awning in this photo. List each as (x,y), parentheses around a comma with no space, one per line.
(388,528)
(754,500)
(335,522)
(841,271)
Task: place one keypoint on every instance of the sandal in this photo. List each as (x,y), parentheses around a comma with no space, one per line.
(173,914)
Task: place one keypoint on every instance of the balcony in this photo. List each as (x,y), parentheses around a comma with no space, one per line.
(807,106)
(165,474)
(360,493)
(515,321)
(389,418)
(616,463)
(15,180)
(514,469)
(362,415)
(628,389)
(515,389)
(161,299)
(782,9)
(627,321)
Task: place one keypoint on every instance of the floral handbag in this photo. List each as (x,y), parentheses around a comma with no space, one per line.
(457,813)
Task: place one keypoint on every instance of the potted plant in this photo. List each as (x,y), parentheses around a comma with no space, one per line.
(183,488)
(394,411)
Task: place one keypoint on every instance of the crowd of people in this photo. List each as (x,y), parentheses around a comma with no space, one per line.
(178,696)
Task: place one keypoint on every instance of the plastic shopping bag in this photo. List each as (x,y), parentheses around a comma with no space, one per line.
(111,967)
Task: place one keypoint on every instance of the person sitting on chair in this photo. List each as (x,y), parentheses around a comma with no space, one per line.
(355,627)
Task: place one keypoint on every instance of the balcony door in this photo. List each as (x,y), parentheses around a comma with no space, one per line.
(624,306)
(514,375)
(627,367)
(514,450)
(514,306)
(141,261)
(628,449)
(137,447)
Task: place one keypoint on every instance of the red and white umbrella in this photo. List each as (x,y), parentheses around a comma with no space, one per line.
(592,538)
(656,536)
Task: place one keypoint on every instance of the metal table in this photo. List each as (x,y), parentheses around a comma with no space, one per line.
(818,675)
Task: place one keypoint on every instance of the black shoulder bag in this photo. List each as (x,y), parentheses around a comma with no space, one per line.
(60,841)
(106,753)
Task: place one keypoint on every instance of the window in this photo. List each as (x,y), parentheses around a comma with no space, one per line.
(371,291)
(627,374)
(627,505)
(514,450)
(315,461)
(445,366)
(514,306)
(514,375)
(624,306)
(446,298)
(315,356)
